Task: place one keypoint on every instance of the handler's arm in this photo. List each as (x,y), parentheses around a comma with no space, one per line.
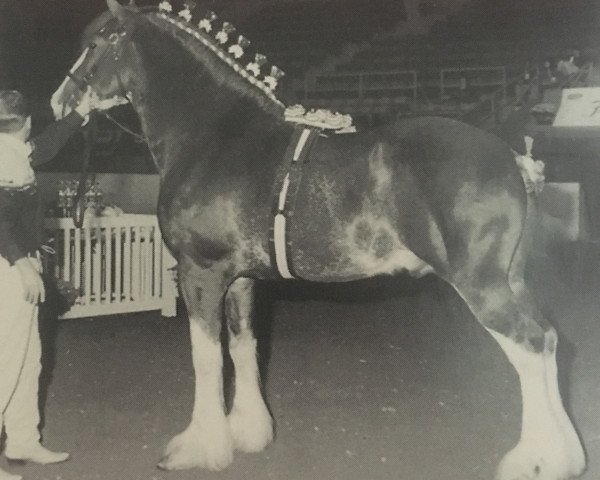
(46,145)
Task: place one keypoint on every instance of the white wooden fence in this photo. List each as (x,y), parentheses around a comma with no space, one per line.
(118,264)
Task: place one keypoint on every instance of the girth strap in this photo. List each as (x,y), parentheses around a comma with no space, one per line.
(296,156)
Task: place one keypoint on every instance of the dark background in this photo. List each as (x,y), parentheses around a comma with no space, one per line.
(40,39)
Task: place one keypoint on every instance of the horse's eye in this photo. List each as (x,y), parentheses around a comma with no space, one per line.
(92,46)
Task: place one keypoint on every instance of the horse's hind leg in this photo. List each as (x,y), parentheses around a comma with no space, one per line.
(250,421)
(549,448)
(516,279)
(207,441)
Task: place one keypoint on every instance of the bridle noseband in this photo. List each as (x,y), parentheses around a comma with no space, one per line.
(113,41)
(83,82)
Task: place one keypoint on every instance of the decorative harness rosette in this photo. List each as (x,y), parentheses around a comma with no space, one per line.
(320,118)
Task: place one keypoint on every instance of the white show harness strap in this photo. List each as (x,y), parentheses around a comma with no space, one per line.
(298,150)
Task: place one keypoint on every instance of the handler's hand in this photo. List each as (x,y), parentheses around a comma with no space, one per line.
(90,102)
(33,285)
(107,103)
(84,107)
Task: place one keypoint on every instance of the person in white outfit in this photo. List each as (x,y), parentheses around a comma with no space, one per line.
(21,286)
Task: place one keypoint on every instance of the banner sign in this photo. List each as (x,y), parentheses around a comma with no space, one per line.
(579,107)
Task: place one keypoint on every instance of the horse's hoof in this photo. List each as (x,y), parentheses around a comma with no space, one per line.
(252,431)
(4,475)
(196,447)
(540,461)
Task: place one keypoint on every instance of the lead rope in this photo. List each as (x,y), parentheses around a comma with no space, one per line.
(78,212)
(137,136)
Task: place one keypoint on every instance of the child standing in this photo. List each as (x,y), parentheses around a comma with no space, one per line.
(21,286)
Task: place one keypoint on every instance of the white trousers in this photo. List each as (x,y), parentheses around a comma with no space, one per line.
(20,361)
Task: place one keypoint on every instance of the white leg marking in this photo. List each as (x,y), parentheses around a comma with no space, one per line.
(207,442)
(250,420)
(544,452)
(577,455)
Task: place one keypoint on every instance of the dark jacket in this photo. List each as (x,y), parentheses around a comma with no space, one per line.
(21,217)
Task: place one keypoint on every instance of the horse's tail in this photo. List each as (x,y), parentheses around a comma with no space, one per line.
(532,172)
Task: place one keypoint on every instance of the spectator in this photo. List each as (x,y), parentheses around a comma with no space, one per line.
(566,66)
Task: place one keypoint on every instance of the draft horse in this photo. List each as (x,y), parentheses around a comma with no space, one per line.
(421,195)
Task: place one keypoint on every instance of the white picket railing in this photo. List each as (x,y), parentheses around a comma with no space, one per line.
(119,264)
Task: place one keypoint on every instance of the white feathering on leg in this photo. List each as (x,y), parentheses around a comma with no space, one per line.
(250,420)
(543,452)
(207,442)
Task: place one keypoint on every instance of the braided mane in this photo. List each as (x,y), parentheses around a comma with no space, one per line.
(221,65)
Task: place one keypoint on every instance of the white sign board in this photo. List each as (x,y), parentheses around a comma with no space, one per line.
(579,107)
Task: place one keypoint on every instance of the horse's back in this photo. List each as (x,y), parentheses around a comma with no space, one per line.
(422,186)
(429,148)
(443,141)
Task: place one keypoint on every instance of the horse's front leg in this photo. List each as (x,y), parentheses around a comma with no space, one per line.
(207,441)
(250,420)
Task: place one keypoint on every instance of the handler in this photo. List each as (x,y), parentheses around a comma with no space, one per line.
(21,286)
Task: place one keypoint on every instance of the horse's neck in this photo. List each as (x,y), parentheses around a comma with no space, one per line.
(187,99)
(162,129)
(211,114)
(173,127)
(172,141)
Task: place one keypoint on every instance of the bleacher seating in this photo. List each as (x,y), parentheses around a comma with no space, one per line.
(301,35)
(473,61)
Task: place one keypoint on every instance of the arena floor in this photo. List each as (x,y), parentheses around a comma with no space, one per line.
(392,380)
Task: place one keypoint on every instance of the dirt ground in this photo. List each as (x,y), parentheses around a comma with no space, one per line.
(388,380)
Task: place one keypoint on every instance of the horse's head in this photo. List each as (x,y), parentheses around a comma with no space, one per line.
(105,64)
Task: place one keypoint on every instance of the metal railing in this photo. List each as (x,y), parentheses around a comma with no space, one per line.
(492,105)
(362,85)
(465,78)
